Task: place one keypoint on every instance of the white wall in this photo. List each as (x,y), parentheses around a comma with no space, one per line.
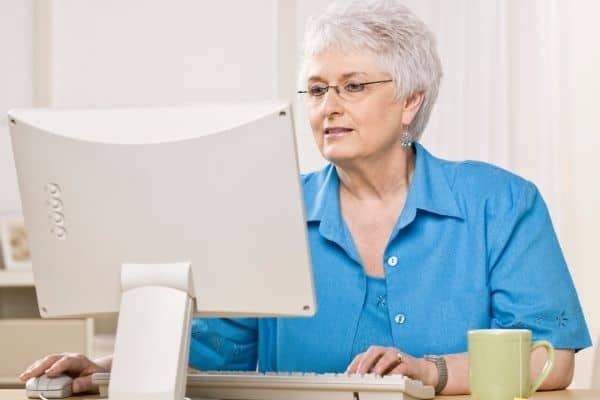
(581,172)
(16,86)
(114,52)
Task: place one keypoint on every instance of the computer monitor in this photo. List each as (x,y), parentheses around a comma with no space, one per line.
(158,213)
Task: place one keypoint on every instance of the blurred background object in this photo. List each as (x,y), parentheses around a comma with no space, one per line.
(15,251)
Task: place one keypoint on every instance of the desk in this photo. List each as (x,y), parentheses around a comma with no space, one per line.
(19,394)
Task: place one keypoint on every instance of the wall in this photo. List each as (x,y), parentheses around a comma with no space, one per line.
(16,86)
(149,52)
(581,174)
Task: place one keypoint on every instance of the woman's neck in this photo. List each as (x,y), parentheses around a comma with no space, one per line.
(380,178)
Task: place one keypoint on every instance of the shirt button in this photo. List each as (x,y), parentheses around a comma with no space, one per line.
(399,318)
(392,261)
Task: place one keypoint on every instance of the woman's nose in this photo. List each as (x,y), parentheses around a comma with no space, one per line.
(332,102)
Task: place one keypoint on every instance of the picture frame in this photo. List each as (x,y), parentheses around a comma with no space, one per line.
(15,250)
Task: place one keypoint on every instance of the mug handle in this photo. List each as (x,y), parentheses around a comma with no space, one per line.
(547,367)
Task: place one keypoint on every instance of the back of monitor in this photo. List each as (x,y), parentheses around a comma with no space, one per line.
(102,188)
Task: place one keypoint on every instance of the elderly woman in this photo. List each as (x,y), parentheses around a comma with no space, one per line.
(409,251)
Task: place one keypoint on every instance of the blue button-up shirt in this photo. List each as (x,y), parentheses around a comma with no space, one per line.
(473,248)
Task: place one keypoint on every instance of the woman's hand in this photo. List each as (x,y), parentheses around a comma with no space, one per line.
(78,366)
(390,360)
(385,361)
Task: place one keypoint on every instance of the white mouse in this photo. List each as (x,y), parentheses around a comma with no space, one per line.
(53,388)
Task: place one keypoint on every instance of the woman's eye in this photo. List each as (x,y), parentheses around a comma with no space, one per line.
(354,87)
(317,90)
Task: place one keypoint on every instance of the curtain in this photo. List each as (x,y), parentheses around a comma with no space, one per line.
(500,99)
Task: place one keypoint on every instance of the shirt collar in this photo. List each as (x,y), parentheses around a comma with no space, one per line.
(321,197)
(429,190)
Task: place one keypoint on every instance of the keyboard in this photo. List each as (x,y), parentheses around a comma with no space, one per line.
(233,385)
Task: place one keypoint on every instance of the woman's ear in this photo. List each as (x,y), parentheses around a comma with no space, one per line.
(411,106)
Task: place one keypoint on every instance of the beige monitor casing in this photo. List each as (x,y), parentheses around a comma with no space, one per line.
(167,206)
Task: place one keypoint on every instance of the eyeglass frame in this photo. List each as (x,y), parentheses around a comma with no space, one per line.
(337,88)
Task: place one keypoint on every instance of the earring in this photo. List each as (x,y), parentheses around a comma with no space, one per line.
(405,140)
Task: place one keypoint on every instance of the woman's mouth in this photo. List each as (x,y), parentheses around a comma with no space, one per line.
(334,132)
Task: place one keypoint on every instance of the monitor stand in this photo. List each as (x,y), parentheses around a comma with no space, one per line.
(153,333)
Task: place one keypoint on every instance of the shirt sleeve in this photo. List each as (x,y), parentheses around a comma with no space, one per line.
(220,344)
(530,284)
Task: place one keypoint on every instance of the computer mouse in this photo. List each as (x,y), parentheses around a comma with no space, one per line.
(57,387)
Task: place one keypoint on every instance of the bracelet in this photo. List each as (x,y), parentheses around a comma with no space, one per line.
(442,369)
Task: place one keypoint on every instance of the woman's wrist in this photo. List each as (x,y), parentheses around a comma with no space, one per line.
(442,371)
(104,362)
(429,375)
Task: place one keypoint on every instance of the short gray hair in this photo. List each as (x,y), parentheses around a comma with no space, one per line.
(402,43)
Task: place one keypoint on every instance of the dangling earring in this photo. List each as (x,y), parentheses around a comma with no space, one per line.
(405,140)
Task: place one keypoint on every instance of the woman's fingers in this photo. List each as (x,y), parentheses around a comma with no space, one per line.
(68,363)
(390,359)
(354,364)
(83,384)
(400,369)
(369,359)
(39,367)
(380,361)
(75,365)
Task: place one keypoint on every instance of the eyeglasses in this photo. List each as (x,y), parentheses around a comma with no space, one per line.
(350,90)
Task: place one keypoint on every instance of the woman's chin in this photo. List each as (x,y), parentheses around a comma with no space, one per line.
(337,156)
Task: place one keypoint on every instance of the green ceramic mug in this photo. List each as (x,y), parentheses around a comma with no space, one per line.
(499,363)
